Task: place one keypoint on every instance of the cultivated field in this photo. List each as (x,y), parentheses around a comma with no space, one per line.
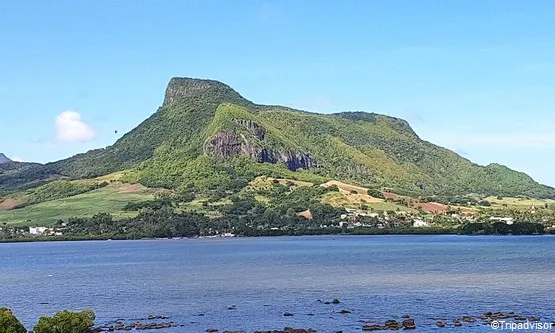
(110,199)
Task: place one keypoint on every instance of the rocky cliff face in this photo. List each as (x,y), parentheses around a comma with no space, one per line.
(4,159)
(253,127)
(226,145)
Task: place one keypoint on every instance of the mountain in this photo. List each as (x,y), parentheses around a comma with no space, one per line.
(4,159)
(207,135)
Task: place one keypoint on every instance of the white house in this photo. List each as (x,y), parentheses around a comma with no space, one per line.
(37,230)
(507,220)
(419,223)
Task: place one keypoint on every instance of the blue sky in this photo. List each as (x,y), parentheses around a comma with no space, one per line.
(475,76)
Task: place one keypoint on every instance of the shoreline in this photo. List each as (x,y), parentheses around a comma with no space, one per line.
(47,239)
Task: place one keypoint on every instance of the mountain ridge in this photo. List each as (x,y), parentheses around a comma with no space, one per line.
(208,135)
(4,159)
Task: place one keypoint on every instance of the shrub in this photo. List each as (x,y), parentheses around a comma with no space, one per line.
(66,322)
(376,194)
(9,323)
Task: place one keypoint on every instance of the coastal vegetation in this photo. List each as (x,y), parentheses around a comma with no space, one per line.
(62,322)
(66,322)
(266,207)
(500,228)
(9,323)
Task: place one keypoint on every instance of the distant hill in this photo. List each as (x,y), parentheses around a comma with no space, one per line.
(4,159)
(207,135)
(20,175)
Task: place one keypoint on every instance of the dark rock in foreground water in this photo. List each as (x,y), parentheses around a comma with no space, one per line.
(289,330)
(409,324)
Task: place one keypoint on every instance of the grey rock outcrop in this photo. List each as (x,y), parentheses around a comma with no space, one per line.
(226,145)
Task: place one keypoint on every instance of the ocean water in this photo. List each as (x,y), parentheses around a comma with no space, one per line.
(193,281)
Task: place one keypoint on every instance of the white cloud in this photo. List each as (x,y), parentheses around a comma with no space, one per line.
(70,127)
(16,159)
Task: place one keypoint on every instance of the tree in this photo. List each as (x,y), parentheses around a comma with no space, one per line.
(9,323)
(376,194)
(66,322)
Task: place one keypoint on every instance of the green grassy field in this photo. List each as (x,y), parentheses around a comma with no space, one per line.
(108,200)
(520,203)
(339,199)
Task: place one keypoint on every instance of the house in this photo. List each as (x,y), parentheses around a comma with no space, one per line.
(37,231)
(417,223)
(507,220)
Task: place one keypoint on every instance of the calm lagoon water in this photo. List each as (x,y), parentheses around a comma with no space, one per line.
(375,277)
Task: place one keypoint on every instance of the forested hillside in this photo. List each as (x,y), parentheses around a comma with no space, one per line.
(207,135)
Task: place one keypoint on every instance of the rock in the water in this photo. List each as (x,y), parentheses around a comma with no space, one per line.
(335,301)
(440,323)
(409,324)
(156,317)
(288,314)
(469,319)
(371,327)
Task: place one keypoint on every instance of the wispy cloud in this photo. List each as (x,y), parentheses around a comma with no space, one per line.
(70,127)
(16,159)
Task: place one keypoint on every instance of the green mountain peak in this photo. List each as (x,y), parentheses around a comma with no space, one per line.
(207,135)
(181,89)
